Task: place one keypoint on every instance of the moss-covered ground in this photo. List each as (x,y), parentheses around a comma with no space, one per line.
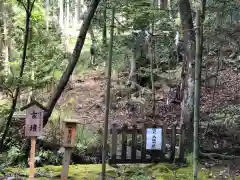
(136,172)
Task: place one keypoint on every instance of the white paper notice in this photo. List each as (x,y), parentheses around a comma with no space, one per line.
(154,138)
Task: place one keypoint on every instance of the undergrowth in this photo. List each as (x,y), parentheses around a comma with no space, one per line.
(134,172)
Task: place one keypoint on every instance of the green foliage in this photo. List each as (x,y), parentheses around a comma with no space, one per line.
(85,140)
(49,157)
(45,53)
(14,155)
(139,175)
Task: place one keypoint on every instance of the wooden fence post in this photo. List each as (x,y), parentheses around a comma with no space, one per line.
(143,148)
(164,138)
(124,142)
(173,143)
(163,148)
(114,144)
(182,141)
(134,143)
(66,163)
(32,158)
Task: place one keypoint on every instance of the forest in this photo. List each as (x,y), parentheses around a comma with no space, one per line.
(117,64)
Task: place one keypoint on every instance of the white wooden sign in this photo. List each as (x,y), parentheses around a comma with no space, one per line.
(154,138)
(34,121)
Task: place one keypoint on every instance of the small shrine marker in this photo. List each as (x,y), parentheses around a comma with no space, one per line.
(69,139)
(33,128)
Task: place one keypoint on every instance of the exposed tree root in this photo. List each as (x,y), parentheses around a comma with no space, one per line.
(214,156)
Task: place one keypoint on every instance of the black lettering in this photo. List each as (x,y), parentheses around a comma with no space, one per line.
(34,115)
(34,128)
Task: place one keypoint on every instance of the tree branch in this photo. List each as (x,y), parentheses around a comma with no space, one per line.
(8,89)
(72,63)
(31,8)
(218,156)
(20,2)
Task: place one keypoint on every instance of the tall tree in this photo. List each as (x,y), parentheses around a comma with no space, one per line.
(76,13)
(152,61)
(200,17)
(187,69)
(47,13)
(197,95)
(67,16)
(93,45)
(2,35)
(6,38)
(61,14)
(107,103)
(104,31)
(28,7)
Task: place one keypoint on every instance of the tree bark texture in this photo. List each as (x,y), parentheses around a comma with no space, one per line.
(163,4)
(188,69)
(197,95)
(61,7)
(1,35)
(104,33)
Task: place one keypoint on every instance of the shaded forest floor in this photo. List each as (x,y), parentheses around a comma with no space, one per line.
(143,172)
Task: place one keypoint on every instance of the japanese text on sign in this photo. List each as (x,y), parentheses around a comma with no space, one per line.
(69,136)
(154,139)
(34,121)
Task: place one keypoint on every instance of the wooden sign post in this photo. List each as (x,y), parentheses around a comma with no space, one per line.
(33,128)
(69,138)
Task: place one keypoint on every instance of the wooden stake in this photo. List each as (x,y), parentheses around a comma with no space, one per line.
(66,162)
(32,158)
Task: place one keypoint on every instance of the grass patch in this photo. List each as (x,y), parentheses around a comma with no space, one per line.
(141,172)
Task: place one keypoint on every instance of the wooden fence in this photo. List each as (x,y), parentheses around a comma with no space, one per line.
(139,152)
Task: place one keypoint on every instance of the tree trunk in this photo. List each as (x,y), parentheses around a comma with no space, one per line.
(107,104)
(66,25)
(47,13)
(31,89)
(104,33)
(61,7)
(72,63)
(76,12)
(6,40)
(188,70)
(93,45)
(163,4)
(67,13)
(1,36)
(197,93)
(152,61)
(133,71)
